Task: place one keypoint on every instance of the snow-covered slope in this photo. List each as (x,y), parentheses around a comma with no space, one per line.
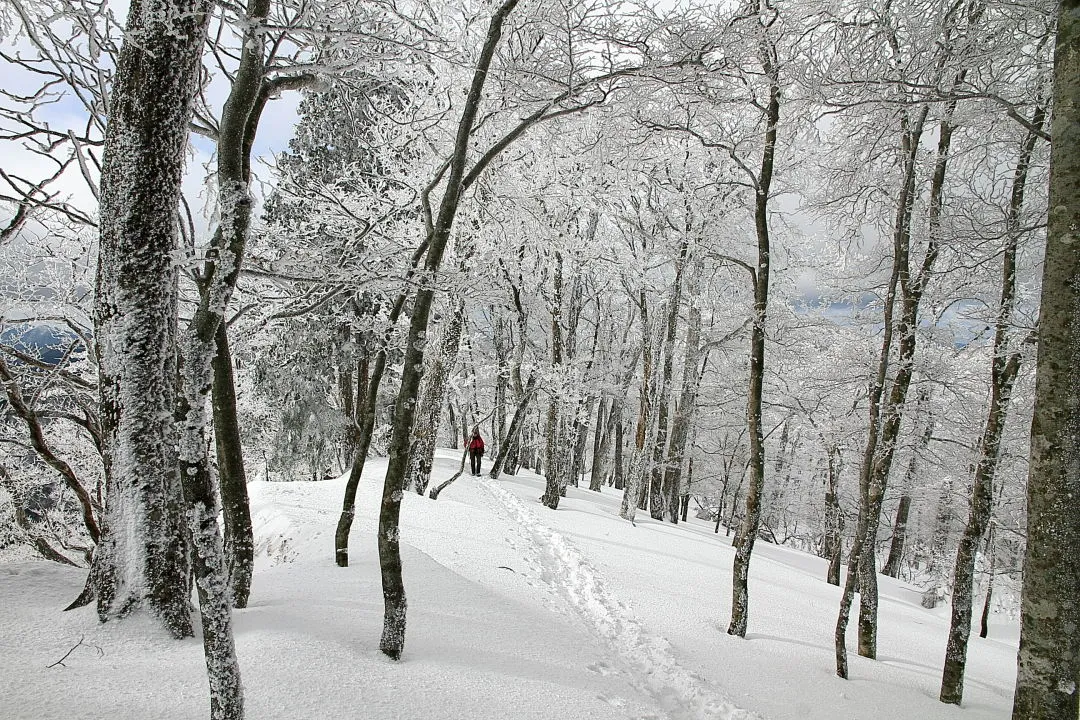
(514,612)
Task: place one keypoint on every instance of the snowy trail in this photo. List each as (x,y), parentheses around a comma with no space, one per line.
(647,660)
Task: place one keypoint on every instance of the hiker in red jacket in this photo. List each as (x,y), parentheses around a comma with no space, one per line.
(476,451)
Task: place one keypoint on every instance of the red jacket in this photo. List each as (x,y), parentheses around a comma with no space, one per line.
(477,443)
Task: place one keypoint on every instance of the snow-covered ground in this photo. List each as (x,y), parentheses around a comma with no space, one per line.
(515,611)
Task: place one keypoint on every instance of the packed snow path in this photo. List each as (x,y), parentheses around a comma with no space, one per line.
(646,659)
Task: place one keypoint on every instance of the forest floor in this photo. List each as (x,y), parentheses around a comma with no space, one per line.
(515,611)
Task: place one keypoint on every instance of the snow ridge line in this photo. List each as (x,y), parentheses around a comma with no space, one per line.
(681,693)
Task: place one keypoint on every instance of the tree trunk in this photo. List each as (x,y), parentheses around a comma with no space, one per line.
(142,555)
(834,517)
(235,508)
(552,445)
(899,535)
(984,620)
(513,436)
(371,380)
(426,431)
(1003,370)
(634,482)
(748,529)
(394,600)
(618,480)
(596,471)
(684,416)
(1049,659)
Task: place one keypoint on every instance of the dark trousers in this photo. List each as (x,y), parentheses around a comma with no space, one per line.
(475,456)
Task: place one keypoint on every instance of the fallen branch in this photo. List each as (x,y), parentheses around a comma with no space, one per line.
(434,494)
(60,662)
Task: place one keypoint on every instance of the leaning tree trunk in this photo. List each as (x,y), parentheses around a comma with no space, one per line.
(235,507)
(899,534)
(142,555)
(1003,369)
(1049,659)
(389,535)
(748,529)
(426,432)
(508,444)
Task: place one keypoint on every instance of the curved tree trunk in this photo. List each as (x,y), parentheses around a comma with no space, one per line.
(748,529)
(235,507)
(394,600)
(508,444)
(1003,370)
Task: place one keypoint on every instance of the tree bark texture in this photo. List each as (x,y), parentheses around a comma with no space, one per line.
(142,556)
(833,546)
(553,446)
(235,508)
(1049,658)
